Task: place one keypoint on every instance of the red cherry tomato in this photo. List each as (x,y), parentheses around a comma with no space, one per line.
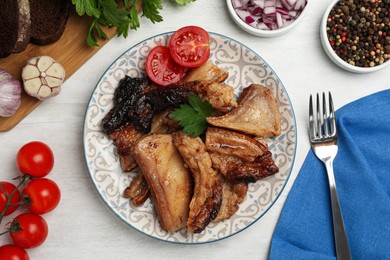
(161,68)
(6,189)
(35,159)
(190,46)
(28,230)
(44,195)
(12,252)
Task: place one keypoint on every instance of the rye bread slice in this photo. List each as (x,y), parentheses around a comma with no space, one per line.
(14,26)
(48,20)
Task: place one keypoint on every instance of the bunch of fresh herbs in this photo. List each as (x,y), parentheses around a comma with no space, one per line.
(121,14)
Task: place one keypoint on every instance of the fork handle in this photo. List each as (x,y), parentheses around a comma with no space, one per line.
(341,241)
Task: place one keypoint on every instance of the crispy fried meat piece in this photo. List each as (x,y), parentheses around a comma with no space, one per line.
(257,113)
(237,170)
(169,180)
(207,72)
(125,96)
(124,138)
(154,102)
(228,156)
(233,194)
(163,124)
(220,96)
(227,142)
(138,191)
(131,88)
(207,196)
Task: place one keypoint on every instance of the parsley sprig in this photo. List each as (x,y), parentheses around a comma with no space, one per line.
(123,16)
(192,116)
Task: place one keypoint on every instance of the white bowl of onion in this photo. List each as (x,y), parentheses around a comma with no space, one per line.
(267,18)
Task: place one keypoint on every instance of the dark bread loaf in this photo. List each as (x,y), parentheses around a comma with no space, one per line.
(14,26)
(48,20)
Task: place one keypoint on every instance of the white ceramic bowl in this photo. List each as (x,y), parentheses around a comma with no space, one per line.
(265,33)
(331,53)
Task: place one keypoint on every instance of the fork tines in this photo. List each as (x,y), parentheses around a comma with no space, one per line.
(322,124)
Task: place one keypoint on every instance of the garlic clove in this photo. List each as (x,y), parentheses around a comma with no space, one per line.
(42,77)
(44,62)
(56,70)
(53,82)
(44,91)
(31,72)
(34,84)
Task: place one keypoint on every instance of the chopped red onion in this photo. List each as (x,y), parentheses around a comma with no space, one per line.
(268,14)
(259,3)
(291,2)
(237,4)
(300,4)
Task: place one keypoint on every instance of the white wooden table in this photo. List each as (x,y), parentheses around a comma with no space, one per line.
(82,227)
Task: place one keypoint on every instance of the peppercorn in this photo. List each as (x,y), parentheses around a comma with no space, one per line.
(359,30)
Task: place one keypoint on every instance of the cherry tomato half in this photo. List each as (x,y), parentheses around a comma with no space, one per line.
(12,252)
(5,190)
(35,159)
(190,46)
(28,230)
(161,68)
(44,195)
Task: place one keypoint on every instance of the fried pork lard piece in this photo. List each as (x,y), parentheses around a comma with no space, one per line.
(124,138)
(233,194)
(207,197)
(228,155)
(227,142)
(257,113)
(169,181)
(126,94)
(163,124)
(154,102)
(138,191)
(237,170)
(207,72)
(220,96)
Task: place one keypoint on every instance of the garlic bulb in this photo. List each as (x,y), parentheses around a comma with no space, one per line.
(42,77)
(10,94)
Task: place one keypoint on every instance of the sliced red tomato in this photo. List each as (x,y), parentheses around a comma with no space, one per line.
(43,194)
(6,189)
(161,68)
(12,252)
(190,46)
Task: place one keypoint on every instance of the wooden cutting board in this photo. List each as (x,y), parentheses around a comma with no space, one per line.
(71,51)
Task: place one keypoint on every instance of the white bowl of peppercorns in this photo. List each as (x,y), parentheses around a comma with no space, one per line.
(356,34)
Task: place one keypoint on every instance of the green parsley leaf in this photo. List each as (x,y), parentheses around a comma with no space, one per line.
(112,14)
(91,39)
(134,18)
(88,7)
(150,10)
(100,31)
(192,116)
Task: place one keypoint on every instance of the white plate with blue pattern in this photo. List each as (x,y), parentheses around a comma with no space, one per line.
(245,67)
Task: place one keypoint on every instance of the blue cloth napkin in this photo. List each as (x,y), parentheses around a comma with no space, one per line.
(362,173)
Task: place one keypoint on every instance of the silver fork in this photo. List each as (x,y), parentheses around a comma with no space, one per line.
(323,139)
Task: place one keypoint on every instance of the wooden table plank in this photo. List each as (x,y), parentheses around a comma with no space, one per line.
(71,51)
